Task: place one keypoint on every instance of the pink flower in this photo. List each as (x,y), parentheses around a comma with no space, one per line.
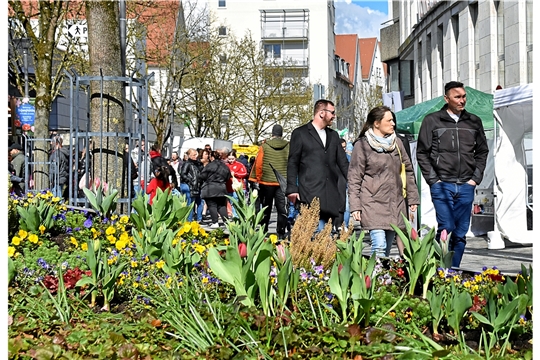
(340,266)
(414,234)
(242,249)
(444,235)
(367,279)
(281,253)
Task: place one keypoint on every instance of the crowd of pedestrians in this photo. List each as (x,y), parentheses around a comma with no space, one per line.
(374,184)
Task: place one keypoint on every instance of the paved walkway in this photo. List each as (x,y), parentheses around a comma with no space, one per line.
(476,256)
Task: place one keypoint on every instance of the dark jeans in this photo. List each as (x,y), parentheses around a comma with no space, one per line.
(453,204)
(268,195)
(217,205)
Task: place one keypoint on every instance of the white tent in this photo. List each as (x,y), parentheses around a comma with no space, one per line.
(512,109)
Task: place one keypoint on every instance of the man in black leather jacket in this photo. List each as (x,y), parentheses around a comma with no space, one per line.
(452,153)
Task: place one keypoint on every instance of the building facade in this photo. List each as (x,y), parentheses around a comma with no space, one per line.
(297,30)
(484,44)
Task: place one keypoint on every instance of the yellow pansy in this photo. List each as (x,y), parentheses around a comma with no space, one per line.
(273,238)
(110,230)
(41,229)
(204,280)
(134,264)
(120,244)
(11,251)
(124,237)
(74,241)
(84,246)
(187,227)
(23,234)
(226,241)
(124,219)
(160,264)
(33,238)
(16,240)
(200,248)
(111,239)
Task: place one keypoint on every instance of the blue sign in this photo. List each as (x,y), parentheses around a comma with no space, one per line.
(27,114)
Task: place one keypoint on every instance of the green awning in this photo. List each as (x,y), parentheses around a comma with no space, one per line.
(478,103)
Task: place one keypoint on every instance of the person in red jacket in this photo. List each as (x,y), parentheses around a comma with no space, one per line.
(239,173)
(160,179)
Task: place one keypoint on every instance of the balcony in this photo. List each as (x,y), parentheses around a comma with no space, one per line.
(285,24)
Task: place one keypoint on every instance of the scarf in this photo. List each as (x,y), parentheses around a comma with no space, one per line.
(381,144)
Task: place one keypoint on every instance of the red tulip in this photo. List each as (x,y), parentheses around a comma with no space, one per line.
(340,266)
(444,235)
(242,249)
(367,279)
(414,234)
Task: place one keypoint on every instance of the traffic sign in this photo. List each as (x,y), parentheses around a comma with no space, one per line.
(78,30)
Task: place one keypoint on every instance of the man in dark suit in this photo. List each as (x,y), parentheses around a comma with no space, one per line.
(315,160)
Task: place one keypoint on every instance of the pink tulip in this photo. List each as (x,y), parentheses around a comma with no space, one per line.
(367,279)
(444,235)
(340,266)
(242,249)
(414,234)
(281,253)
(97,182)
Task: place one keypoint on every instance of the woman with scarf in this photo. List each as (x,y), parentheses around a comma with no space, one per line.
(375,185)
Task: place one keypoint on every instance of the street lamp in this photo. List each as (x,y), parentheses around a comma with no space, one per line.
(25,45)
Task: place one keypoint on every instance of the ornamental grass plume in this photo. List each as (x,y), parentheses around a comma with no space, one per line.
(304,246)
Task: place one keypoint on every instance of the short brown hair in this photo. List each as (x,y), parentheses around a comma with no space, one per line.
(321,104)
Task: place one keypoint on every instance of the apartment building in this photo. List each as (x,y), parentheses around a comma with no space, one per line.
(297,30)
(484,44)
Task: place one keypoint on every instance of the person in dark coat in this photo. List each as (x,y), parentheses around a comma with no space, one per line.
(214,178)
(189,175)
(375,186)
(315,160)
(59,168)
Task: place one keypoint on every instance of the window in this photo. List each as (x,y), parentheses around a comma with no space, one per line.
(222,31)
(222,3)
(272,51)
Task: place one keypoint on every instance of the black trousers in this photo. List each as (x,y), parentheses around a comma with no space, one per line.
(270,194)
(217,205)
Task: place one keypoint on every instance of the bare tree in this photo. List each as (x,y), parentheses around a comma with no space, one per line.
(40,22)
(274,92)
(162,34)
(367,97)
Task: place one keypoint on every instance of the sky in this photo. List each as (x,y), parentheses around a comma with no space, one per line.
(360,17)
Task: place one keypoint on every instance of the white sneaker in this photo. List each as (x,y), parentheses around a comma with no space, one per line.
(214,226)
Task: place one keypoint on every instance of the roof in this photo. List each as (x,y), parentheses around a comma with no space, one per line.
(367,48)
(346,48)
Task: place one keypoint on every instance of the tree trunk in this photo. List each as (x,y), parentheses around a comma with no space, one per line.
(106,106)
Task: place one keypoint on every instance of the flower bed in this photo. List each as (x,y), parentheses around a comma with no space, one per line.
(97,284)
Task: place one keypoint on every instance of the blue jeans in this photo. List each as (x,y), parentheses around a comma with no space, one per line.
(453,204)
(381,242)
(184,189)
(58,190)
(347,213)
(199,204)
(234,194)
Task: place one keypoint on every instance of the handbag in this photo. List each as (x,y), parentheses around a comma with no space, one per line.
(402,174)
